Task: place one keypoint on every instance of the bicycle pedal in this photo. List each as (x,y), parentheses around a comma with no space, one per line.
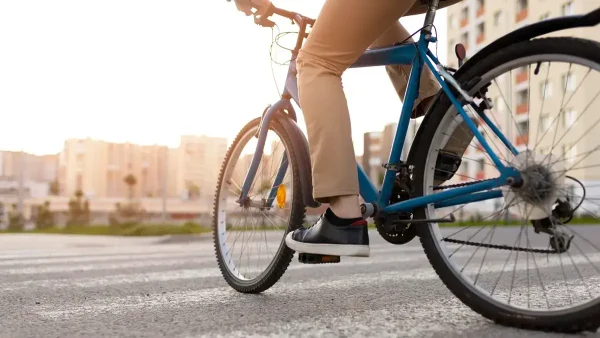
(308,258)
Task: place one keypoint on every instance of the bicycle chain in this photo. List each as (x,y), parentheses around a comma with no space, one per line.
(460,184)
(501,247)
(484,245)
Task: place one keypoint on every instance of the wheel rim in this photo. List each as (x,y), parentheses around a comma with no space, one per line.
(455,261)
(235,227)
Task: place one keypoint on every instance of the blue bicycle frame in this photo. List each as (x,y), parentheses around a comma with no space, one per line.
(417,55)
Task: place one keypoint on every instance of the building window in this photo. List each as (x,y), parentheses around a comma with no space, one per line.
(546,89)
(480,8)
(522,97)
(453,22)
(569,153)
(568,117)
(464,17)
(523,101)
(480,165)
(465,39)
(522,5)
(481,33)
(498,18)
(523,133)
(569,82)
(545,16)
(567,8)
(522,10)
(545,122)
(465,168)
(499,104)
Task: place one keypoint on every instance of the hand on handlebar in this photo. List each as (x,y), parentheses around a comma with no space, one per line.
(265,9)
(246,6)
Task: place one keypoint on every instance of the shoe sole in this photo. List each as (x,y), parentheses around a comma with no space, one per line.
(328,249)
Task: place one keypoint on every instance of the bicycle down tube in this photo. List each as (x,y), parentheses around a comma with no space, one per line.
(417,55)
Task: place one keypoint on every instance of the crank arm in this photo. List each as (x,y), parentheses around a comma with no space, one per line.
(451,219)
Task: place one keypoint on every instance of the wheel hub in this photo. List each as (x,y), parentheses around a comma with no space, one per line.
(542,176)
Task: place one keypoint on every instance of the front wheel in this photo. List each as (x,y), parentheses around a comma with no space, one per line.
(499,259)
(249,238)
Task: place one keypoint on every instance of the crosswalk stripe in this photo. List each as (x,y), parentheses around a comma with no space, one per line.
(169,275)
(223,294)
(36,266)
(98,258)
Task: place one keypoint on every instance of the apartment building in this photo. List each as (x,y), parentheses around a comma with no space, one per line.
(377,148)
(98,168)
(197,162)
(528,105)
(31,167)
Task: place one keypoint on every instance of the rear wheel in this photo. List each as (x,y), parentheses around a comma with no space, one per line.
(249,238)
(506,265)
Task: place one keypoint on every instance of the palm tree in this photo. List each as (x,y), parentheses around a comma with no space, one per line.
(131,181)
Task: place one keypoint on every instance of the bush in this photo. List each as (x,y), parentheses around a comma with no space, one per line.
(45,218)
(16,221)
(79,211)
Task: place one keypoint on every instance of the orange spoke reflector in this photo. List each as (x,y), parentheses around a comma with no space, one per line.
(281,196)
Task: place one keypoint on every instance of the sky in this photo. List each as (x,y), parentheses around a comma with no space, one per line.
(148,71)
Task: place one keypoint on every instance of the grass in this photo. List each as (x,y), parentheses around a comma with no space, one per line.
(192,228)
(123,230)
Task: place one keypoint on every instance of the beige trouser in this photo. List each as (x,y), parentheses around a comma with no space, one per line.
(343,31)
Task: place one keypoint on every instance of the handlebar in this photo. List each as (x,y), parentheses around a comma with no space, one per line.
(299,19)
(303,22)
(263,20)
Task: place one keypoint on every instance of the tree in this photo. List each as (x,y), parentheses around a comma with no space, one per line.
(45,218)
(16,222)
(79,210)
(193,190)
(131,181)
(54,188)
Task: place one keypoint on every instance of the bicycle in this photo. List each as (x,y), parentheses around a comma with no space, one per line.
(405,206)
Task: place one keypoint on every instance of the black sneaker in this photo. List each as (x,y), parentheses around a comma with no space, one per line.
(324,238)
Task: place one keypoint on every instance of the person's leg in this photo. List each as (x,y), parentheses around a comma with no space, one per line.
(343,31)
(460,136)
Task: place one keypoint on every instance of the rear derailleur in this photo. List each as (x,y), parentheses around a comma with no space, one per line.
(560,241)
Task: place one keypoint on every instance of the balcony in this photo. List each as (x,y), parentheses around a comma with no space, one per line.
(480,38)
(480,175)
(522,108)
(522,76)
(480,11)
(522,140)
(464,22)
(521,15)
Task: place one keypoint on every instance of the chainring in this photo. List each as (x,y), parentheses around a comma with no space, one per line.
(397,233)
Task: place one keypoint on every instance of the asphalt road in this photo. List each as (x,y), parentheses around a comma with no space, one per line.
(69,286)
